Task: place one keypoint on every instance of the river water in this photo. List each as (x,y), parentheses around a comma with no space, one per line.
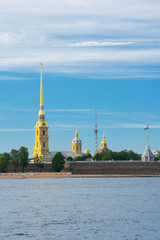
(80,208)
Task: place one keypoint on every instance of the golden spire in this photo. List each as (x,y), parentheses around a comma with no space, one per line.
(76,132)
(41,91)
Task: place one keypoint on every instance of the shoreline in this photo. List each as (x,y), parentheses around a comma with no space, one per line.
(65,175)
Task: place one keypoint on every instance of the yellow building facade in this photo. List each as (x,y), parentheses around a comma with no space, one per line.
(76,144)
(41,146)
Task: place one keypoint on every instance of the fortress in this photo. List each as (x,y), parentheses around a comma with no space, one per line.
(41,147)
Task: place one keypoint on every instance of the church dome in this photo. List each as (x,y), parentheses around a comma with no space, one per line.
(87,151)
(76,139)
(103,143)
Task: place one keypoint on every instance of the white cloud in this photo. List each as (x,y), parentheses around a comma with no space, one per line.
(10,38)
(71,126)
(10,78)
(131,125)
(16,130)
(38,30)
(65,60)
(95,44)
(69,110)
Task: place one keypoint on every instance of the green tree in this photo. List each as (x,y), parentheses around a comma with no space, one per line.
(3,163)
(69,159)
(88,155)
(157,157)
(23,152)
(117,156)
(79,158)
(83,157)
(97,156)
(15,158)
(39,162)
(58,162)
(7,156)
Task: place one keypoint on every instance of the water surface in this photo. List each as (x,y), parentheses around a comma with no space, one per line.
(80,208)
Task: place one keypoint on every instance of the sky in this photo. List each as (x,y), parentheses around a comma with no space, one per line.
(96,54)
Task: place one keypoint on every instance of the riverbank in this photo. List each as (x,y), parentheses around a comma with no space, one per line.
(64,175)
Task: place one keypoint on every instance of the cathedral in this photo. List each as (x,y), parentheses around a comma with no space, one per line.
(41,147)
(103,147)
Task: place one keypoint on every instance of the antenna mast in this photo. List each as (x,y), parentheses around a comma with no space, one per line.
(96,130)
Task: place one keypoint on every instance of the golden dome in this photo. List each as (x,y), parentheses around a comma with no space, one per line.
(76,132)
(103,143)
(104,140)
(86,151)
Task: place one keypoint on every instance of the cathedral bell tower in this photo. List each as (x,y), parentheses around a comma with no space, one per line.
(77,144)
(41,146)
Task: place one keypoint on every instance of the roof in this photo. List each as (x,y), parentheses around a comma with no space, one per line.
(66,154)
(102,150)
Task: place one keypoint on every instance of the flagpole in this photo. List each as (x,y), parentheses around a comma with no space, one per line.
(148,137)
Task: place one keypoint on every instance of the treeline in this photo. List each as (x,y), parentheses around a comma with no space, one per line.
(117,156)
(19,158)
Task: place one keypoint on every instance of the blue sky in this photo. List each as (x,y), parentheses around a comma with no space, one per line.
(96,54)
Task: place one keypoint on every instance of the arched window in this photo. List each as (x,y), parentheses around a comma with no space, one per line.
(43,132)
(77,147)
(43,144)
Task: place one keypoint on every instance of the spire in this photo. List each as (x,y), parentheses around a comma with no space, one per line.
(41,91)
(76,133)
(41,111)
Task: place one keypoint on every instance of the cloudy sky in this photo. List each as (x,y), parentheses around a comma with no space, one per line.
(96,54)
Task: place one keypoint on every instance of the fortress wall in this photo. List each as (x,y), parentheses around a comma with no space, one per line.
(31,168)
(100,167)
(117,168)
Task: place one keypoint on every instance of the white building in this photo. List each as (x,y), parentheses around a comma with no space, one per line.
(147,156)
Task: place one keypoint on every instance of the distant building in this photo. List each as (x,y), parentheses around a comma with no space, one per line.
(147,156)
(156,152)
(103,147)
(77,144)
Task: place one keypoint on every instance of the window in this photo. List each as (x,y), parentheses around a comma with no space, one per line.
(43,124)
(80,148)
(37,132)
(37,144)
(74,148)
(43,132)
(77,147)
(44,144)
